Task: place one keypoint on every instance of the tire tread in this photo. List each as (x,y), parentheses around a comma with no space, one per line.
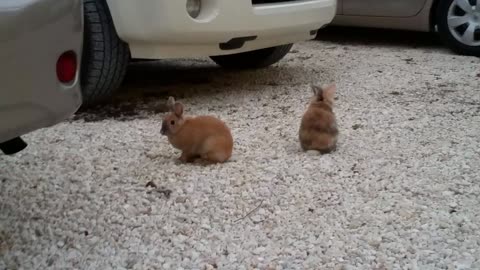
(105,56)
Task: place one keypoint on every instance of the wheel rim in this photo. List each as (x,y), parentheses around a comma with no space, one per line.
(464,21)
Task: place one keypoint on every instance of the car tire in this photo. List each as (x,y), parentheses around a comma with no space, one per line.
(105,56)
(254,59)
(454,32)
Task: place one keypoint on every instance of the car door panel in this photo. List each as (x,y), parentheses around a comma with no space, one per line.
(382,8)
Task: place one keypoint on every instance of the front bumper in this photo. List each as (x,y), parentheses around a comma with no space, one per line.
(33,34)
(162,29)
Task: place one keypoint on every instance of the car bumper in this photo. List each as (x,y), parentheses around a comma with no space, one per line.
(160,29)
(33,34)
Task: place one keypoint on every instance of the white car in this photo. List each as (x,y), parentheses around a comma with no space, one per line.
(234,33)
(40,50)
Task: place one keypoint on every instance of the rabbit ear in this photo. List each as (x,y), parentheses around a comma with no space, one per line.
(317,90)
(178,109)
(171,103)
(328,92)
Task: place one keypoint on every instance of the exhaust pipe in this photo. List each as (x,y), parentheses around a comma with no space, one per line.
(13,146)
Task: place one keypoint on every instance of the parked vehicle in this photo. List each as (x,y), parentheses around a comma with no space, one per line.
(457,21)
(235,34)
(40,46)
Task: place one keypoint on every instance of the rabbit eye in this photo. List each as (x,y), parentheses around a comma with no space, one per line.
(172,122)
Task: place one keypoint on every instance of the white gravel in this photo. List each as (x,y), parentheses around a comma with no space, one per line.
(401,192)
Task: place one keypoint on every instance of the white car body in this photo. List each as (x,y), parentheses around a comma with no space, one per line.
(157,29)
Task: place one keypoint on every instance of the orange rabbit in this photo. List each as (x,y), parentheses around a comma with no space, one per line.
(204,137)
(318,129)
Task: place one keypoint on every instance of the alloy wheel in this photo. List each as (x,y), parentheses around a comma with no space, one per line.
(463,21)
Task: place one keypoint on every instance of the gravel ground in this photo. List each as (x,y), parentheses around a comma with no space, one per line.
(103,190)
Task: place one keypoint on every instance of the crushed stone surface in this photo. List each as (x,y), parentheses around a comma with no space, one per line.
(103,190)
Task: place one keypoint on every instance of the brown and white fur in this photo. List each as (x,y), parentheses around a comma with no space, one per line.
(204,137)
(318,129)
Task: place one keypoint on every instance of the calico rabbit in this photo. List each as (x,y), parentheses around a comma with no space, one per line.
(204,137)
(318,129)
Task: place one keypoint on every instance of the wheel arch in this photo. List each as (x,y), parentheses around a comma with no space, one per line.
(113,17)
(116,18)
(433,13)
